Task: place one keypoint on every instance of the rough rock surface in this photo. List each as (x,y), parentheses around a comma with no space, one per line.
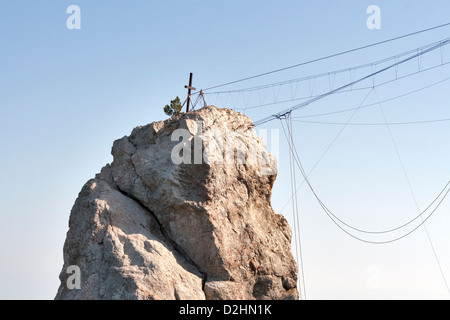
(149,228)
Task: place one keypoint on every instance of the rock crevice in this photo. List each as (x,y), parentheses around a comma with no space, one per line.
(167,239)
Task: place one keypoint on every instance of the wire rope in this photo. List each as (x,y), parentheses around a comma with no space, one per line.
(330,56)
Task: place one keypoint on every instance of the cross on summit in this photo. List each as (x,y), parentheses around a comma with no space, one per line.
(189,87)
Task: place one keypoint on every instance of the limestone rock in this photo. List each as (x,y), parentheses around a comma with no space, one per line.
(189,219)
(121,252)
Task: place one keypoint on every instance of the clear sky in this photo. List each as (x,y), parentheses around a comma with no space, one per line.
(66,95)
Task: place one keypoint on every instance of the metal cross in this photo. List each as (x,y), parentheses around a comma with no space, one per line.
(189,87)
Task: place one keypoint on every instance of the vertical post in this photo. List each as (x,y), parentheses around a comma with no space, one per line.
(189,87)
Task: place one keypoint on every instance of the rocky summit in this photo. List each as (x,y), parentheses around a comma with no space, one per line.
(182,212)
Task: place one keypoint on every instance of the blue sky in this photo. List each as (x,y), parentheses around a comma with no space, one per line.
(66,95)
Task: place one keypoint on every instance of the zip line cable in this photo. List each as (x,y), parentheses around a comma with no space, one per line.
(330,56)
(412,192)
(327,74)
(338,222)
(304,104)
(294,213)
(372,104)
(298,230)
(275,96)
(329,212)
(355,109)
(298,99)
(296,217)
(298,246)
(296,81)
(331,144)
(356,89)
(348,110)
(377,124)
